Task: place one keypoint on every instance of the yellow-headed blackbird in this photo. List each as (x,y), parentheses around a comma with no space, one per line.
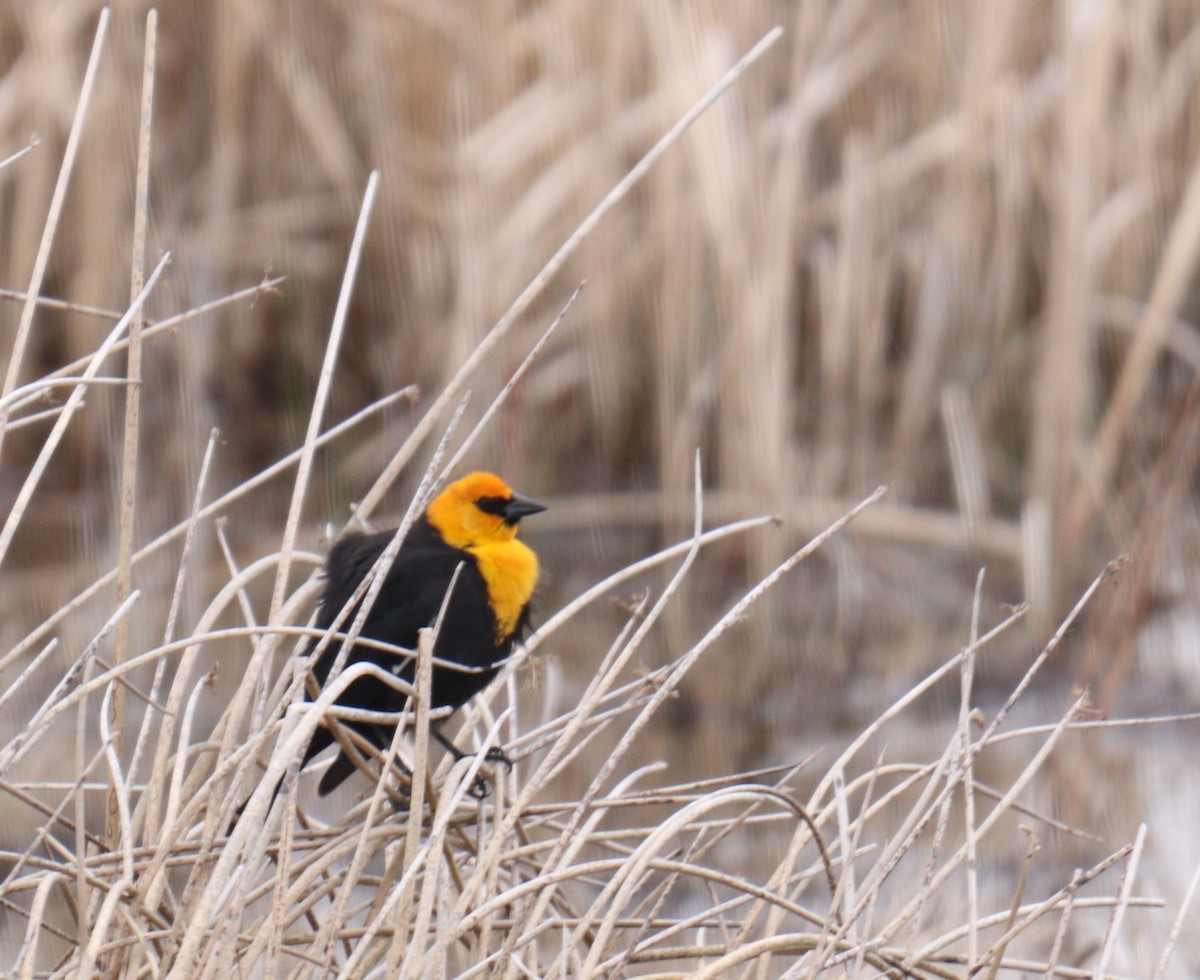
(472,524)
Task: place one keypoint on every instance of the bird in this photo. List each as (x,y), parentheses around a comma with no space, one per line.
(469,529)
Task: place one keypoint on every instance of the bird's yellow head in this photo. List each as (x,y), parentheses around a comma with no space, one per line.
(479,509)
(479,513)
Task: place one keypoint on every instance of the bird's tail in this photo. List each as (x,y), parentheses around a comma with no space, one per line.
(341,768)
(237,814)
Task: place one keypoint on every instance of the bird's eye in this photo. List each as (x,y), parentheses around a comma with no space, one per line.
(493,505)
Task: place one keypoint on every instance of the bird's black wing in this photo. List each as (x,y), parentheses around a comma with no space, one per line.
(410,599)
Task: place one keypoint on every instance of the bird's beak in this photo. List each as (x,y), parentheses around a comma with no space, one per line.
(520,507)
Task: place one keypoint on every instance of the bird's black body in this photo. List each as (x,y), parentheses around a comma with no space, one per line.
(410,599)
(470,528)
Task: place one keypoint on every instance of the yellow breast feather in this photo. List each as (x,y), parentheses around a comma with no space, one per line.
(510,569)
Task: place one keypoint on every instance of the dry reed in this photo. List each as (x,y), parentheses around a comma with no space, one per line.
(926,252)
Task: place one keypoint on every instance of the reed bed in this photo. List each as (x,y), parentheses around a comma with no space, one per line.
(945,246)
(941,246)
(467,869)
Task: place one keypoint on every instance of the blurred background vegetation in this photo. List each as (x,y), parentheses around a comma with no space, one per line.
(946,246)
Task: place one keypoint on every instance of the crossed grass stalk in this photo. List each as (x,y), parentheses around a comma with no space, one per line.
(422,878)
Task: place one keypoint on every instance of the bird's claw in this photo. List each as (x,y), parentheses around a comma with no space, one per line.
(497,755)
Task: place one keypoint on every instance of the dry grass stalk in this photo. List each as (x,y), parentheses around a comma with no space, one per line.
(622,876)
(505,885)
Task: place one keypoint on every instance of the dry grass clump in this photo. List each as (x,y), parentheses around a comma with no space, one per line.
(127,765)
(877,867)
(944,245)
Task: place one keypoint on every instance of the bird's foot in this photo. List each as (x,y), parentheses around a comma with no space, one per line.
(495,755)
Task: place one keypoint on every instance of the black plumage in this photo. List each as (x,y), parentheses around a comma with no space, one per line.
(411,598)
(469,529)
